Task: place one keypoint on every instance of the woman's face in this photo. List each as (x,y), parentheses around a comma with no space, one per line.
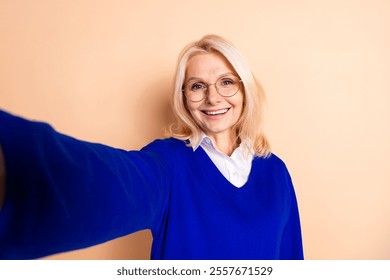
(215,114)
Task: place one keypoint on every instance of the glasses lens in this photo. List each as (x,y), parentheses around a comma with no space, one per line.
(195,91)
(228,85)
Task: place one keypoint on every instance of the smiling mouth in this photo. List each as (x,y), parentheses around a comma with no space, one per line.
(216,112)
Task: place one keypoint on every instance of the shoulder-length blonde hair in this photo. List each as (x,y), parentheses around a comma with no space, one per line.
(250,124)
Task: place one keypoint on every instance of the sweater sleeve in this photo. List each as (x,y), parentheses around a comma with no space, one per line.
(291,247)
(64,194)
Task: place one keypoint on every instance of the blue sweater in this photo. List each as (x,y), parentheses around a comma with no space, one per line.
(65,194)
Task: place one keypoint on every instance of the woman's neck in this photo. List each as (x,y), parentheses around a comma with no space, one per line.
(225,143)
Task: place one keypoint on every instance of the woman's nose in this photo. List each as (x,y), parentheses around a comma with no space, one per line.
(212,94)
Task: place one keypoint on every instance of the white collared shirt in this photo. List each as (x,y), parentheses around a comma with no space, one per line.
(235,168)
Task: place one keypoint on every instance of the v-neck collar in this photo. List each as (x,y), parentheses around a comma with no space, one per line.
(221,183)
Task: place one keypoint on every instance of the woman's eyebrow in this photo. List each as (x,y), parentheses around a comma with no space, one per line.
(199,79)
(193,79)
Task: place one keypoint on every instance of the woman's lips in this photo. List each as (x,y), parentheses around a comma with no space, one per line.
(215,112)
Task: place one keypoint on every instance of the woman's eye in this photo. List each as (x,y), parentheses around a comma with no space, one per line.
(196,86)
(227,82)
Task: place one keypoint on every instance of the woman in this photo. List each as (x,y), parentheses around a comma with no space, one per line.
(211,191)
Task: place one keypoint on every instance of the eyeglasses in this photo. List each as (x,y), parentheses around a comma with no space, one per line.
(226,86)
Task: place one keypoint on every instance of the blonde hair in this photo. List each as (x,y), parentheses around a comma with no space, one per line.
(250,124)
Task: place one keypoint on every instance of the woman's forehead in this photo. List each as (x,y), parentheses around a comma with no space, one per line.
(207,65)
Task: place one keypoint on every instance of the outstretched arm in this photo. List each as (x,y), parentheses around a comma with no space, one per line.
(2,178)
(65,194)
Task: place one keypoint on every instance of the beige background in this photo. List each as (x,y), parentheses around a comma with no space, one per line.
(102,71)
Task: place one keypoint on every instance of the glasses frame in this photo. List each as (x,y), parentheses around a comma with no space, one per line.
(207,85)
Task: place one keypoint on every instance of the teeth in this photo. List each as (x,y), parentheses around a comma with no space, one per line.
(223,111)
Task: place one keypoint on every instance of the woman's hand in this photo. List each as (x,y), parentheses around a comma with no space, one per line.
(2,178)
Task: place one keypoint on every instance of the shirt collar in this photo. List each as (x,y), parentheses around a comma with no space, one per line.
(195,144)
(205,140)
